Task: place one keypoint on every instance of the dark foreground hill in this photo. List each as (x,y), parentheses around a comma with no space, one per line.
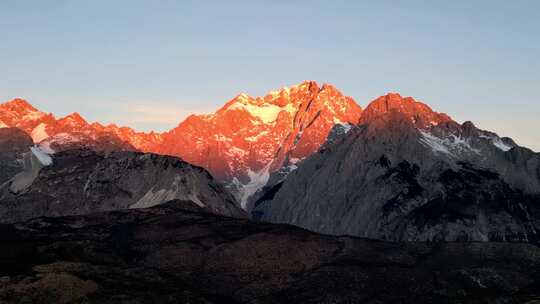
(177,253)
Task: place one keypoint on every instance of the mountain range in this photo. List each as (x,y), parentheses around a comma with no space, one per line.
(400,203)
(408,173)
(305,155)
(240,144)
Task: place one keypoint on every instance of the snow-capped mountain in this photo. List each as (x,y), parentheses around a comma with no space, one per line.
(438,131)
(18,113)
(397,170)
(249,138)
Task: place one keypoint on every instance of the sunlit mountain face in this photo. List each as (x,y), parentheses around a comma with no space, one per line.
(58,134)
(241,143)
(250,140)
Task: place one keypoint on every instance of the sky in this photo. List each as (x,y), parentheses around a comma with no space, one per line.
(149,64)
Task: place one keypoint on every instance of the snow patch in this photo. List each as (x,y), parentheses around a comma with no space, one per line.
(436,144)
(266,112)
(34,115)
(256,182)
(43,157)
(451,145)
(292,167)
(39,133)
(497,142)
(346,127)
(176,191)
(294,160)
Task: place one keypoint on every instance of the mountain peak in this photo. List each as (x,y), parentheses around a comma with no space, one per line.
(251,137)
(280,98)
(73,119)
(308,84)
(328,86)
(419,113)
(243,96)
(18,104)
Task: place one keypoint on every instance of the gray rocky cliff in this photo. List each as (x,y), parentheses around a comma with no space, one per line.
(84,181)
(398,177)
(13,143)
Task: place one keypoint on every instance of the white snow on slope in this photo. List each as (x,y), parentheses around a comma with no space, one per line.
(33,115)
(267,113)
(175,191)
(43,157)
(346,127)
(257,181)
(497,142)
(436,144)
(39,133)
(451,145)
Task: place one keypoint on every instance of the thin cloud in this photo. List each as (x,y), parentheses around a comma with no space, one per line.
(155,114)
(152,116)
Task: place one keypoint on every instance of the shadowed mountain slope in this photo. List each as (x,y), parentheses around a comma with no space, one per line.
(409,173)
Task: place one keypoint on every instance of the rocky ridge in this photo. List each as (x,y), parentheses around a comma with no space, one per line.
(409,173)
(241,144)
(85,181)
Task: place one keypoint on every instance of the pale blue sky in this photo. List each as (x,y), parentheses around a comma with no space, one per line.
(148,64)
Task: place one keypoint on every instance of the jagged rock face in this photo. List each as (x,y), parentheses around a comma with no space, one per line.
(276,178)
(174,253)
(397,177)
(76,140)
(241,144)
(252,137)
(83,181)
(13,143)
(18,113)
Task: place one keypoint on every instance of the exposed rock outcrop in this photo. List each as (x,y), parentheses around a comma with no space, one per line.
(13,144)
(84,181)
